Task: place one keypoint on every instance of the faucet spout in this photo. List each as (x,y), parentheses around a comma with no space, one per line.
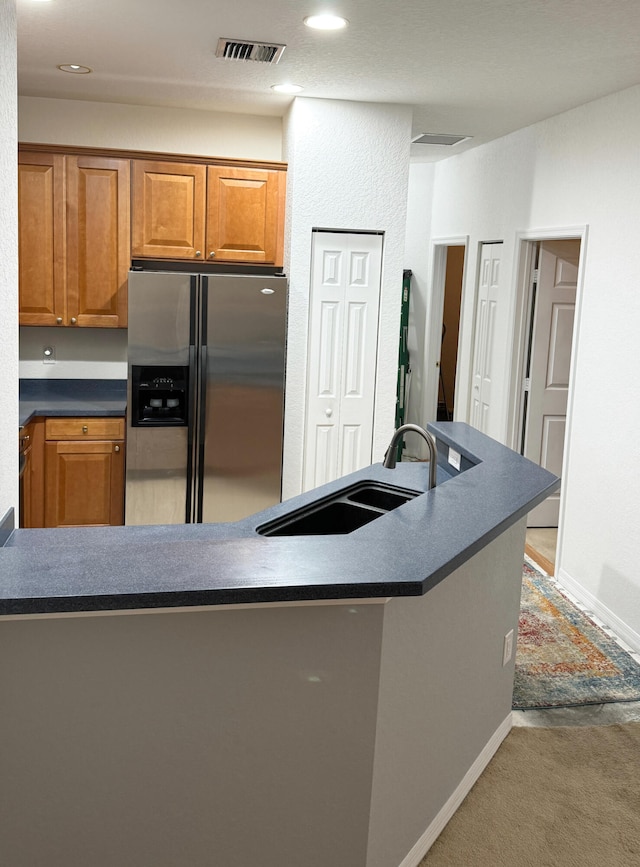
(389,460)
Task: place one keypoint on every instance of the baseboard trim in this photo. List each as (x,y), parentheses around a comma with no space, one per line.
(589,601)
(426,841)
(539,559)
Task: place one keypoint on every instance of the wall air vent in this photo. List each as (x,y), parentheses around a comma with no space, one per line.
(241,49)
(439,139)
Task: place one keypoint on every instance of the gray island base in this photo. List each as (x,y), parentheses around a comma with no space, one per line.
(340,730)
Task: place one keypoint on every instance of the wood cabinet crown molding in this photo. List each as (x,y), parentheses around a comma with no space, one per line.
(118,153)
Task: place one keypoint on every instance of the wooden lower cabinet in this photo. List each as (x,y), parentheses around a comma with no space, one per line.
(31,512)
(84,472)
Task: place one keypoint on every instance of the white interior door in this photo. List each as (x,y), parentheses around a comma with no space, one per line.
(483,351)
(552,337)
(343,343)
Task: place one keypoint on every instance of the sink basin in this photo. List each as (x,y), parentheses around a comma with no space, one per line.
(340,513)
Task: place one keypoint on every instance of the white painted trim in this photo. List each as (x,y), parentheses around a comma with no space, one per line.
(524,266)
(522,250)
(521,273)
(593,605)
(426,841)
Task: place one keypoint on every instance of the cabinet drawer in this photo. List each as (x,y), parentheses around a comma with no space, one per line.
(84,428)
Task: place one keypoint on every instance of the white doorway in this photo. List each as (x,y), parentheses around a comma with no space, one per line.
(443,329)
(346,270)
(484,342)
(550,306)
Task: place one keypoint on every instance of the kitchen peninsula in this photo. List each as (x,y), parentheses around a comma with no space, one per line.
(206,695)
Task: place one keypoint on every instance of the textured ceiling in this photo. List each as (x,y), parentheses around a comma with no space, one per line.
(480,68)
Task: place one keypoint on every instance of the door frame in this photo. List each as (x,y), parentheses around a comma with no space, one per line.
(433,329)
(525,245)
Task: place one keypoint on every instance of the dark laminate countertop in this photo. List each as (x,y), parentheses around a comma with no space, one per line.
(403,553)
(71,397)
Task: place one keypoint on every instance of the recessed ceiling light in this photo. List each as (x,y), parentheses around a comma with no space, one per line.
(74,67)
(286,88)
(326,21)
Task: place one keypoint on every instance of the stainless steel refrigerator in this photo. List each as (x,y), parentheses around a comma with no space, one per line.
(205,392)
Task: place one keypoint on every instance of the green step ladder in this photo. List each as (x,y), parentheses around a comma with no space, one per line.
(403,357)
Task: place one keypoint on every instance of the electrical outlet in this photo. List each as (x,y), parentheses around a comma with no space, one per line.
(507,647)
(49,355)
(454,458)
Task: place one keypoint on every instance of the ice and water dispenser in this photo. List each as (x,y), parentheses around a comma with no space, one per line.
(159,396)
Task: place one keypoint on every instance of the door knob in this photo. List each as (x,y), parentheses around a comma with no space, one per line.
(328,412)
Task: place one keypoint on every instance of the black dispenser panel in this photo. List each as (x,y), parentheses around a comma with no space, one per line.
(159,396)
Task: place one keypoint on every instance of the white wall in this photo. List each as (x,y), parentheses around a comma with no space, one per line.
(9,259)
(417,259)
(348,169)
(80,353)
(146,128)
(579,168)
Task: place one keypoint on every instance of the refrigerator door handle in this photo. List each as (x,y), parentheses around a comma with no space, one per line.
(193,386)
(202,417)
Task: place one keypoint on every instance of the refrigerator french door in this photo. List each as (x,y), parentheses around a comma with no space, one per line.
(206,361)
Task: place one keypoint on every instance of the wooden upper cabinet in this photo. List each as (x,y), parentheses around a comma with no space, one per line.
(208,212)
(98,241)
(41,238)
(169,206)
(244,215)
(74,239)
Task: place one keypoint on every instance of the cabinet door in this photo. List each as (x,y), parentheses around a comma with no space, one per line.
(245,209)
(41,244)
(98,241)
(168,209)
(32,487)
(84,483)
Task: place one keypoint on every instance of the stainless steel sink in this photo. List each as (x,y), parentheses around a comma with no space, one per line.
(340,513)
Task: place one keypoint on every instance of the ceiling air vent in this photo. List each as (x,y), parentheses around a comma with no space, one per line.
(241,49)
(439,139)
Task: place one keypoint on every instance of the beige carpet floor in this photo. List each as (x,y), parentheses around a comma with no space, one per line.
(551,797)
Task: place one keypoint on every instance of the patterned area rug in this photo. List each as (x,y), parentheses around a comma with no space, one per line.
(563,659)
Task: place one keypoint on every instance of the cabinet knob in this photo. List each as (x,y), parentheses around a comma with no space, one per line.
(73,320)
(198,254)
(212,254)
(328,412)
(59,320)
(85,428)
(116,448)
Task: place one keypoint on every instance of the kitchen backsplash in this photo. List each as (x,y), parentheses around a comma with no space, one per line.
(76,353)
